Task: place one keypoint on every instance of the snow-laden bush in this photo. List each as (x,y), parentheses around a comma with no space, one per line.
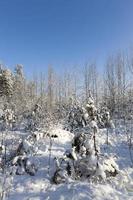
(29,144)
(76,118)
(21,161)
(81,116)
(8,118)
(84,160)
(105,118)
(33,118)
(22,165)
(37,119)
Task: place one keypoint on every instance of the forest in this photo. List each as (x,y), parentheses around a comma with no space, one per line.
(67,135)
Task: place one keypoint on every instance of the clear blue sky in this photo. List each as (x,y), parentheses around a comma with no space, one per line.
(37,33)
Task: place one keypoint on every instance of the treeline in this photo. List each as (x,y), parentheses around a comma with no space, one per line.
(113,86)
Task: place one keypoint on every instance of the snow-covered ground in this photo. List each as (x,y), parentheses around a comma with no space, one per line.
(39,187)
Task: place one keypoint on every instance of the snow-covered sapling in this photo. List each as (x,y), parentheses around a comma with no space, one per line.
(107,121)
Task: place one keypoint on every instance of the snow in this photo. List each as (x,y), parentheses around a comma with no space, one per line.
(39,187)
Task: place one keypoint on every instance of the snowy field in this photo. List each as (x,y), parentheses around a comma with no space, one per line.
(39,187)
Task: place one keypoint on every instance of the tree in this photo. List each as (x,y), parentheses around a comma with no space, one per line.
(19,89)
(50,93)
(121,72)
(110,85)
(91,81)
(6,83)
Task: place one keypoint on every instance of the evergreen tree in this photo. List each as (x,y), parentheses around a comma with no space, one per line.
(6,83)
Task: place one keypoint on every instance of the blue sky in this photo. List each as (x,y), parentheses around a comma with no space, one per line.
(62,33)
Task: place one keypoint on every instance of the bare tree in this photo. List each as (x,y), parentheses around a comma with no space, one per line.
(110,84)
(91,80)
(50,88)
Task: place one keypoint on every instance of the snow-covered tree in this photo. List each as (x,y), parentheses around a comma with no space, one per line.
(34,118)
(6,83)
(76,118)
(105,118)
(84,160)
(19,97)
(8,118)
